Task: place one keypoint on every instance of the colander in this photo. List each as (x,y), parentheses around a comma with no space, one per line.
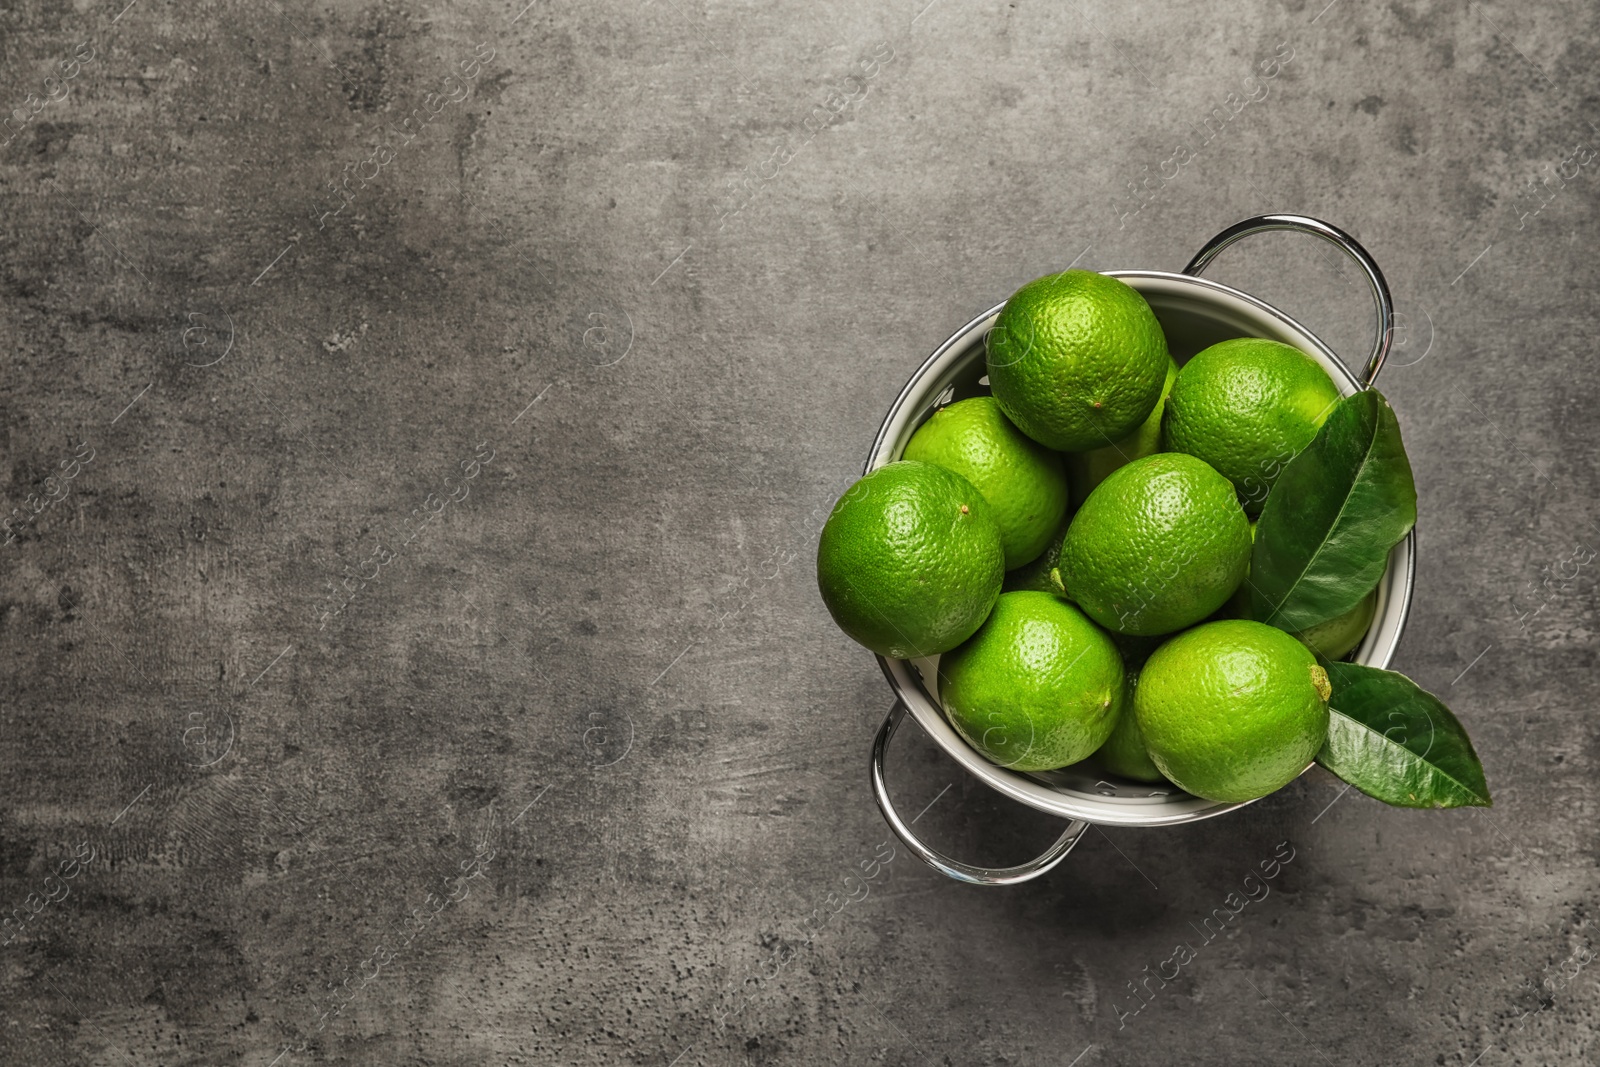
(1195,313)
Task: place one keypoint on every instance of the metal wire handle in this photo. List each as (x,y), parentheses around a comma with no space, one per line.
(963,872)
(1333,235)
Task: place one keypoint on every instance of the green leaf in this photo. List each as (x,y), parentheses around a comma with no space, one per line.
(1332,517)
(1397,743)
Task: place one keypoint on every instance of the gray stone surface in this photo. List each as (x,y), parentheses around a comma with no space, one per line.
(647,315)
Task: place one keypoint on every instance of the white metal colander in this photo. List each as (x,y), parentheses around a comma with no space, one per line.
(1195,314)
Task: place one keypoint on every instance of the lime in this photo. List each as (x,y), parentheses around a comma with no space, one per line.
(910,562)
(1041,574)
(1038,686)
(1159,545)
(1089,469)
(1022,480)
(1246,407)
(1337,637)
(1232,710)
(1238,605)
(1124,753)
(1076,359)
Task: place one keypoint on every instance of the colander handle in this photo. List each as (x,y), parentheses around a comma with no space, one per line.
(1333,235)
(961,872)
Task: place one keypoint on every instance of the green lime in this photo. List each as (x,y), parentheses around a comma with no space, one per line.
(1038,686)
(1022,480)
(1246,407)
(1124,753)
(1089,469)
(1159,545)
(910,562)
(1232,710)
(1041,574)
(1076,359)
(1338,637)
(1238,605)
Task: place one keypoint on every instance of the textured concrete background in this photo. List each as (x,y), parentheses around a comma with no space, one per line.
(419,419)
